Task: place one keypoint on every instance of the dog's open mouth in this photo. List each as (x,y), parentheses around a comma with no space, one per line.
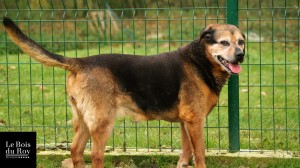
(234,68)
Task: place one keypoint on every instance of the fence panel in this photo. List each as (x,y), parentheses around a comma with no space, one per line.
(269,86)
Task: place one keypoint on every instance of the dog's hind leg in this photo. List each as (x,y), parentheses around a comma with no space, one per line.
(100,128)
(99,139)
(186,151)
(80,138)
(79,143)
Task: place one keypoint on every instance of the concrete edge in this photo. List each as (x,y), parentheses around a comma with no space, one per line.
(146,152)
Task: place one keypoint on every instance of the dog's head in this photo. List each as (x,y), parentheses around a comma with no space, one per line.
(225,45)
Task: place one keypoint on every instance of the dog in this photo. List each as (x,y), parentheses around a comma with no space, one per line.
(178,86)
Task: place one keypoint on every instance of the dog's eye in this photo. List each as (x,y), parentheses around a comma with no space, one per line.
(225,43)
(241,42)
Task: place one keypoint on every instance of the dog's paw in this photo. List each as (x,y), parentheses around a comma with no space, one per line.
(67,163)
(183,165)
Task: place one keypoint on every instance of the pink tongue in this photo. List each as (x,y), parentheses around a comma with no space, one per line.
(235,68)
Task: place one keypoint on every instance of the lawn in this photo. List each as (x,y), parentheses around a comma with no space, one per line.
(169,161)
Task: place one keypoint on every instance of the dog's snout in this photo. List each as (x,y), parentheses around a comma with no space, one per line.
(239,55)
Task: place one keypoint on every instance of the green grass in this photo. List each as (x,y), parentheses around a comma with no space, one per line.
(165,161)
(33,99)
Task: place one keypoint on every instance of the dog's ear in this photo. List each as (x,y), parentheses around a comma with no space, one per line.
(244,36)
(207,34)
(244,40)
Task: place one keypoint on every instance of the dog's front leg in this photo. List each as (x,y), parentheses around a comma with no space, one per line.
(195,132)
(186,151)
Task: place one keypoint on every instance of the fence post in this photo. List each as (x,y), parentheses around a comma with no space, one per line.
(233,89)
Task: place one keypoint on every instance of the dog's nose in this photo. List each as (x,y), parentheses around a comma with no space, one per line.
(239,55)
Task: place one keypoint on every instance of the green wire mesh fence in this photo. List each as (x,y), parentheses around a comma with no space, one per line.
(32,97)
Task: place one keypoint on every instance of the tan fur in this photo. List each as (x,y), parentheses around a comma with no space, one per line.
(96,99)
(37,54)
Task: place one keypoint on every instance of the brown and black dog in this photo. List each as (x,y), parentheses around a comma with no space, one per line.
(179,86)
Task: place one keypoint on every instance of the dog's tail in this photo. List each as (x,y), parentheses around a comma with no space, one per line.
(36,51)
